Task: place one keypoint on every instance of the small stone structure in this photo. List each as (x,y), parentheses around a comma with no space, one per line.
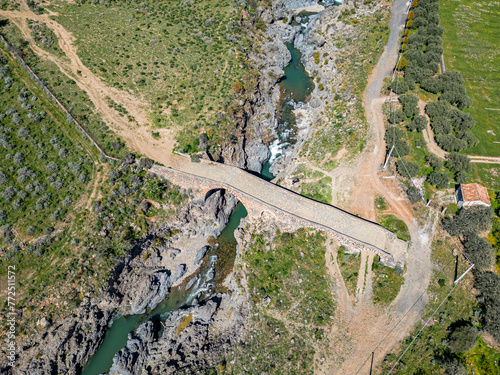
(469,195)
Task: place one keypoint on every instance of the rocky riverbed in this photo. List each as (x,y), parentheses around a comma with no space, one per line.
(317,32)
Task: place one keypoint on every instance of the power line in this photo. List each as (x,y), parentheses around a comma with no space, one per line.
(423,327)
(393,110)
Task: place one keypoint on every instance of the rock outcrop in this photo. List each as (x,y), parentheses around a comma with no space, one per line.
(194,339)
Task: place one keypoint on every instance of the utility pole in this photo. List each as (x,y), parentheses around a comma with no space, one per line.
(388,157)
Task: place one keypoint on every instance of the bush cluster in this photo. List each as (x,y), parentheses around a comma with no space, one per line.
(422,52)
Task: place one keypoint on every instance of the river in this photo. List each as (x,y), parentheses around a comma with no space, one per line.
(295,87)
(217,264)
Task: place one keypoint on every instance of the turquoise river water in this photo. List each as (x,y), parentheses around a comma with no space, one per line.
(296,85)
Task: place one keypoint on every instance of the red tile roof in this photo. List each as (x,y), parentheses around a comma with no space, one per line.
(475,192)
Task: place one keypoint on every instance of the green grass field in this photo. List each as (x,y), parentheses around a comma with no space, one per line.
(472,47)
(387,282)
(288,330)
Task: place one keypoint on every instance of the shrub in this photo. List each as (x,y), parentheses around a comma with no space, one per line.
(439,180)
(23,133)
(402,62)
(3,178)
(52,167)
(18,158)
(407,169)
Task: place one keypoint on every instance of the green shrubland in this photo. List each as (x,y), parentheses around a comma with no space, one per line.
(292,304)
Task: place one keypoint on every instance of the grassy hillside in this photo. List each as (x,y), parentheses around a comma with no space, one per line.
(472,46)
(183,57)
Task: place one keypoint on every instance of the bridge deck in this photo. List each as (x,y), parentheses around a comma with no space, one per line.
(239,181)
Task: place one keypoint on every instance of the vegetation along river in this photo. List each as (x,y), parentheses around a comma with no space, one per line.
(217,264)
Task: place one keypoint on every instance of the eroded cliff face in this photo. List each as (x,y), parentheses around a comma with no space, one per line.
(162,259)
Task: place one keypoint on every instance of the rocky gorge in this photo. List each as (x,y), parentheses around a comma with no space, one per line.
(162,260)
(290,22)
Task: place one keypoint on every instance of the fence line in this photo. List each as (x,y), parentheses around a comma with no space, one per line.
(47,91)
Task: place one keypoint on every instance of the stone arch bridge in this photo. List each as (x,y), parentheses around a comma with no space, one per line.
(289,209)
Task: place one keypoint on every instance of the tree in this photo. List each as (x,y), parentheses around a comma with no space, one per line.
(435,162)
(438,109)
(452,366)
(418,123)
(399,86)
(128,158)
(441,125)
(439,180)
(396,117)
(145,163)
(414,3)
(432,85)
(458,163)
(450,143)
(410,104)
(402,62)
(463,338)
(407,169)
(488,283)
(479,251)
(461,121)
(469,222)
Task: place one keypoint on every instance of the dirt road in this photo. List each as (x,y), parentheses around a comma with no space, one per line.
(369,324)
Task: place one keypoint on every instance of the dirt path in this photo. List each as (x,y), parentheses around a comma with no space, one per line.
(137,136)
